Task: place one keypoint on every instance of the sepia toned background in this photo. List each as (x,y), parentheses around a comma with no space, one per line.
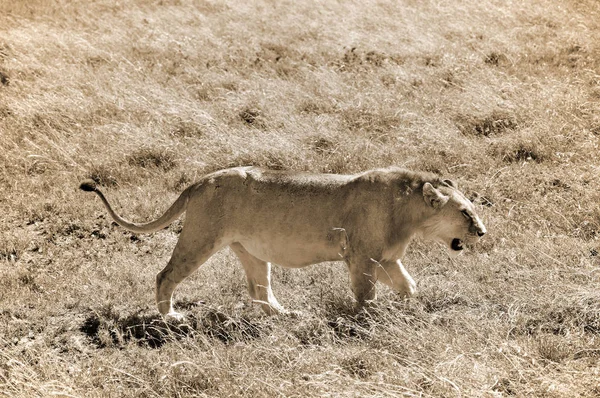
(147,96)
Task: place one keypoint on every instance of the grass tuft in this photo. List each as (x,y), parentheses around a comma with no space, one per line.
(521,151)
(495,58)
(4,79)
(495,123)
(188,129)
(266,159)
(157,158)
(359,366)
(322,145)
(554,349)
(252,116)
(104,176)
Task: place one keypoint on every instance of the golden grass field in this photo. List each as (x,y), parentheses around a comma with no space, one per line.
(147,96)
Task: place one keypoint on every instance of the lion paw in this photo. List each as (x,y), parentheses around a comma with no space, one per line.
(174,316)
(293,314)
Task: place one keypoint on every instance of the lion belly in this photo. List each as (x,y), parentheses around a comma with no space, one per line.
(290,237)
(290,252)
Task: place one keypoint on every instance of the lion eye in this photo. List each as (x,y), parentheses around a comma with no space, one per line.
(466,214)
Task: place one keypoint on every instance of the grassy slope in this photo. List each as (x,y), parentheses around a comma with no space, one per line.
(147,96)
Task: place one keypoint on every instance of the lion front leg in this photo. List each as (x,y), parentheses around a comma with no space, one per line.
(362,278)
(393,274)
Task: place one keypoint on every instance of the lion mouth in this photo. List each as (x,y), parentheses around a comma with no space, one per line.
(457,244)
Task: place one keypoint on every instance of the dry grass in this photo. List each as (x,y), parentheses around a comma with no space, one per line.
(145,96)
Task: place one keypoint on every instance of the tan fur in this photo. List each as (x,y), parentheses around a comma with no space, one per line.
(296,219)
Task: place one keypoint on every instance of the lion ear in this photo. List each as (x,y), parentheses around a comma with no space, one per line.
(434,197)
(450,183)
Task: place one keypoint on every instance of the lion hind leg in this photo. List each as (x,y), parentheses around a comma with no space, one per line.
(189,254)
(258,275)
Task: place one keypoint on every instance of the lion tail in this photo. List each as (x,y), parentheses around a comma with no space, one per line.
(176,209)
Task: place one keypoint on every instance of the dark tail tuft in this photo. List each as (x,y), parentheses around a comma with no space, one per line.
(88,186)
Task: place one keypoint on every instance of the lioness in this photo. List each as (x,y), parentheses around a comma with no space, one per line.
(298,219)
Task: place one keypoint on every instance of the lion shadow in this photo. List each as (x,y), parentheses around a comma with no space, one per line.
(109,328)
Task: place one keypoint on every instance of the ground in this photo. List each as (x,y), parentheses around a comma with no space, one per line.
(147,96)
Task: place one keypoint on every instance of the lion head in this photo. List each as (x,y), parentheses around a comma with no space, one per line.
(454,221)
